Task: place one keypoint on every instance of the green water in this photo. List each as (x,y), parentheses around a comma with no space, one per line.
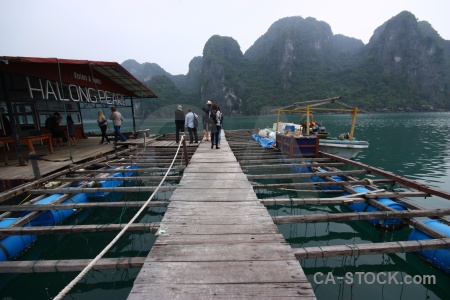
(412,145)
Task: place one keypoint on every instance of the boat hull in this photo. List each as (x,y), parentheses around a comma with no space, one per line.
(343,148)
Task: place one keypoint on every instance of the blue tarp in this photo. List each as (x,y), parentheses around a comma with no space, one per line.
(264,142)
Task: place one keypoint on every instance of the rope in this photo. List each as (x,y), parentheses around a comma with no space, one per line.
(100,255)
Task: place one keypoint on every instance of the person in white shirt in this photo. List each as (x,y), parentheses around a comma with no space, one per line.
(189,122)
(117,119)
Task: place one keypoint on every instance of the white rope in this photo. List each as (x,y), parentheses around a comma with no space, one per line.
(100,255)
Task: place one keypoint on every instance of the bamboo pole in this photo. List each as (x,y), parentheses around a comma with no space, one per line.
(286,166)
(359,216)
(312,201)
(372,248)
(44,207)
(129,189)
(133,170)
(65,229)
(284,160)
(129,178)
(318,184)
(343,200)
(304,175)
(69,265)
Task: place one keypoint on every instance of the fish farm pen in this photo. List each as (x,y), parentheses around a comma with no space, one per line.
(197,222)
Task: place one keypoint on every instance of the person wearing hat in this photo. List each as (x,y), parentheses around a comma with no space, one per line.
(206,120)
(179,122)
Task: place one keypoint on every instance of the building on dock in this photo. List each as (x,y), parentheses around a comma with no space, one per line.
(33,88)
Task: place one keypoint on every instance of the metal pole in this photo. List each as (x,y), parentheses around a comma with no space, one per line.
(12,120)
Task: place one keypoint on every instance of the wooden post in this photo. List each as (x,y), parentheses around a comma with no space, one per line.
(278,121)
(186,158)
(352,129)
(35,165)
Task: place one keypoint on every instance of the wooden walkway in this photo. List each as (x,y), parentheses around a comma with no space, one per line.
(217,240)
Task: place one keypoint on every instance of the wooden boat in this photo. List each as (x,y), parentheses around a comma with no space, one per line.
(345,145)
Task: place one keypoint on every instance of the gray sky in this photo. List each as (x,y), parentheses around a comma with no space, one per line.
(172,32)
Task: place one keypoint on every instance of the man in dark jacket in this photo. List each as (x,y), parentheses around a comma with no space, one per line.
(179,122)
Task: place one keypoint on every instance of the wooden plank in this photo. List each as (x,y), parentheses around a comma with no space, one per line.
(222,291)
(63,229)
(359,216)
(197,219)
(43,207)
(304,175)
(75,265)
(210,252)
(372,248)
(128,189)
(313,201)
(320,184)
(213,185)
(224,272)
(198,195)
(218,229)
(219,239)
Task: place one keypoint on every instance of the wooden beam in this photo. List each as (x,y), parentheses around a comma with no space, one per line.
(318,184)
(372,248)
(129,189)
(43,207)
(134,170)
(312,201)
(130,178)
(284,160)
(401,180)
(72,265)
(359,216)
(343,200)
(287,166)
(64,229)
(304,175)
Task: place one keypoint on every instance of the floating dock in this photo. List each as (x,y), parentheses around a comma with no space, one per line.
(217,240)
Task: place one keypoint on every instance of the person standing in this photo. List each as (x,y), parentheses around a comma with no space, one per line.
(117,119)
(206,121)
(103,124)
(57,132)
(215,117)
(221,124)
(190,124)
(71,130)
(179,122)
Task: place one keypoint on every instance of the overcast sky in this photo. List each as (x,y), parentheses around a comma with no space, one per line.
(172,32)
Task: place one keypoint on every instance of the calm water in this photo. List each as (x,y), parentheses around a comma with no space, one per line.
(413,145)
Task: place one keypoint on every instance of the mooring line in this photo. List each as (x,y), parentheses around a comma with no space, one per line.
(100,255)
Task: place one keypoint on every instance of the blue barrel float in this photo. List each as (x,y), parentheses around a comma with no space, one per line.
(364,207)
(12,246)
(125,172)
(53,217)
(439,258)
